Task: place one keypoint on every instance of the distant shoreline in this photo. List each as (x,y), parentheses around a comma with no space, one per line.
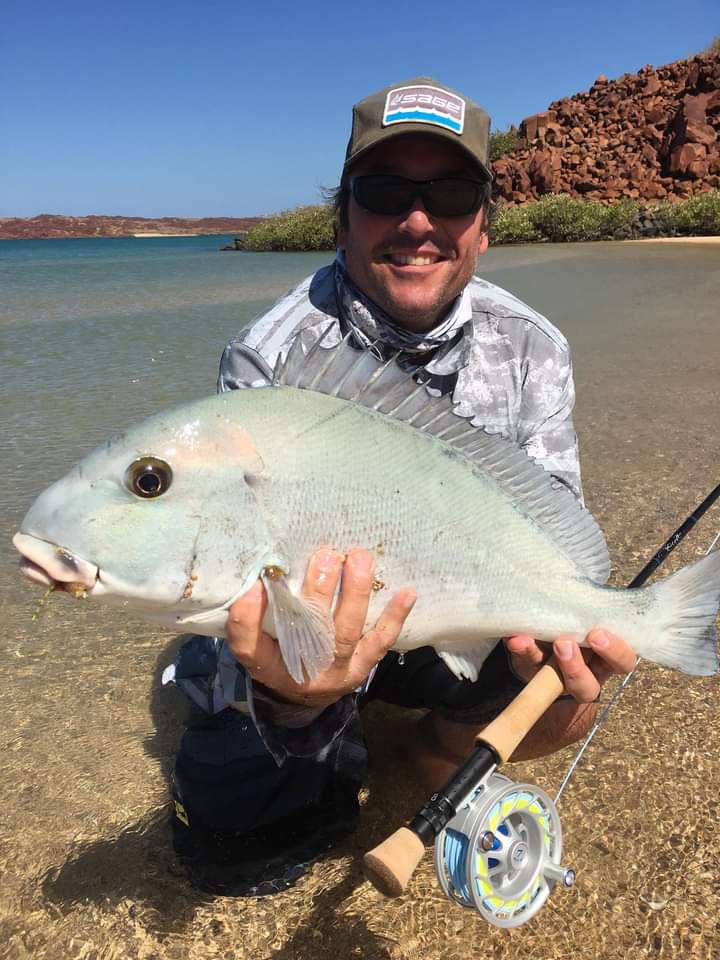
(58,227)
(126,236)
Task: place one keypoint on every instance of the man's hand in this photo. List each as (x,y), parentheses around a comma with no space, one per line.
(355,654)
(584,670)
(440,745)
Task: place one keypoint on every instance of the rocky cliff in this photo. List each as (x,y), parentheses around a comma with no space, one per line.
(48,225)
(648,136)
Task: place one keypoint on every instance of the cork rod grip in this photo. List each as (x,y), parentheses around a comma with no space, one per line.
(391,864)
(506,731)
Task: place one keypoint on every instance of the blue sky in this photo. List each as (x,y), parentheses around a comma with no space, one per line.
(212,108)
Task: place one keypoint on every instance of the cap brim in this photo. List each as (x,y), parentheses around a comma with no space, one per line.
(416,129)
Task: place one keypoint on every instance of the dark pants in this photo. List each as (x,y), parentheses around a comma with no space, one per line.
(227,783)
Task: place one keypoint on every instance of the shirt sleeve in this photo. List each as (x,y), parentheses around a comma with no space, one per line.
(242,367)
(545,425)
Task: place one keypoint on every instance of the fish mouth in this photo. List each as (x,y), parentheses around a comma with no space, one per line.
(54,566)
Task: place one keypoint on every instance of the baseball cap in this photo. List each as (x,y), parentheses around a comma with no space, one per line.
(422,105)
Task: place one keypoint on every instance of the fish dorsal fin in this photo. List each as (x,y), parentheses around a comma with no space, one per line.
(342,370)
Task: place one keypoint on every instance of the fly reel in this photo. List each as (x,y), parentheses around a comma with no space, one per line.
(500,853)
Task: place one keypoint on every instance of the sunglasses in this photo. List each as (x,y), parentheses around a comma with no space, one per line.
(390,195)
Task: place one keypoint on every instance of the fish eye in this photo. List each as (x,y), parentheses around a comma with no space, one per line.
(148,477)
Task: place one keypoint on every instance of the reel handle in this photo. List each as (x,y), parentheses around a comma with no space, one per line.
(391,864)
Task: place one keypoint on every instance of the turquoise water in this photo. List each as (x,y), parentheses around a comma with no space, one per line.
(96,332)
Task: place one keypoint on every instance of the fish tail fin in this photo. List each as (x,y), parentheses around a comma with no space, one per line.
(686,611)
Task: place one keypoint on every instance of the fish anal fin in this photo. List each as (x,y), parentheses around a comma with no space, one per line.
(465,664)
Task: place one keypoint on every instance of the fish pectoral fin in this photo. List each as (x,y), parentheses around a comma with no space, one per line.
(465,664)
(304,630)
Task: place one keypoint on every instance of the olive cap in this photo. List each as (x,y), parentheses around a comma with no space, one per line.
(422,105)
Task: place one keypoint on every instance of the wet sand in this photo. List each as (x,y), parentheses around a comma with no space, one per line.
(675,240)
(86,870)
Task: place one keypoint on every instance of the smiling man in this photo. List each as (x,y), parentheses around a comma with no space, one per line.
(269,771)
(414,265)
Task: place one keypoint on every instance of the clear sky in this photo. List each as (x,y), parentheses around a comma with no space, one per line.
(212,108)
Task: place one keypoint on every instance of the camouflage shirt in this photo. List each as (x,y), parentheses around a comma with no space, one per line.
(507,367)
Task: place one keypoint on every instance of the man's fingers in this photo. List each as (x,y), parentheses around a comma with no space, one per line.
(322,576)
(527,655)
(615,654)
(352,608)
(244,625)
(376,643)
(528,648)
(580,681)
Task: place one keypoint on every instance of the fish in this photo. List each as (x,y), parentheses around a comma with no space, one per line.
(180,515)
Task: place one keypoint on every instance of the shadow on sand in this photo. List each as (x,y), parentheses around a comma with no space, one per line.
(138,867)
(138,864)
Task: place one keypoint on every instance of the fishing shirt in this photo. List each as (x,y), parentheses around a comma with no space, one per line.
(507,368)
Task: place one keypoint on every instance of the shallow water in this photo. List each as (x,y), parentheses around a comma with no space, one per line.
(96,333)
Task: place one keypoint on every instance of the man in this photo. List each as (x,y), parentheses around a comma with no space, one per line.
(265,784)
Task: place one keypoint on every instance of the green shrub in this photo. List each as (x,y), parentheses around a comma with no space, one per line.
(698,216)
(619,218)
(559,218)
(513,225)
(665,216)
(304,228)
(502,142)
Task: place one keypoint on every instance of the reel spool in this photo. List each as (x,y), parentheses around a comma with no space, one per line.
(500,853)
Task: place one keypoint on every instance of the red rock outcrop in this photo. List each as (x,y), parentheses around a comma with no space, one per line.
(50,225)
(647,136)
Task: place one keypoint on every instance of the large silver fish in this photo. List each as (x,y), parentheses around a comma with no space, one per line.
(181,514)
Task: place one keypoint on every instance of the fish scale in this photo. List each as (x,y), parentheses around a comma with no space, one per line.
(257,479)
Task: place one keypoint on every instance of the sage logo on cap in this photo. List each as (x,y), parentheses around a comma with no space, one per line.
(424,104)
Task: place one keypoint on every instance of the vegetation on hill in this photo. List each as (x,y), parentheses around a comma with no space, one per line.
(502,142)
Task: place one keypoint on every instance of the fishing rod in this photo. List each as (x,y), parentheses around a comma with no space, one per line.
(498,844)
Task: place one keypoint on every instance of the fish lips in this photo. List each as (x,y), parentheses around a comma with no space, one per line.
(52,565)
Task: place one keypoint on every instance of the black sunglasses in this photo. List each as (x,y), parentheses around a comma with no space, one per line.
(390,195)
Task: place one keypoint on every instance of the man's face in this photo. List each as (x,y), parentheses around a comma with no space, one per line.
(414,265)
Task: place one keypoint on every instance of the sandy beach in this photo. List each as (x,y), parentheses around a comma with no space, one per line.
(675,240)
(86,868)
